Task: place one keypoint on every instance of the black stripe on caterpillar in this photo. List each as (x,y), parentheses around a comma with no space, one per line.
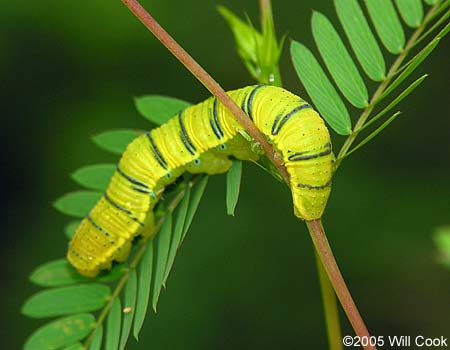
(201,139)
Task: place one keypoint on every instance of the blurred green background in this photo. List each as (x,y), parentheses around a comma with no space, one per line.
(69,69)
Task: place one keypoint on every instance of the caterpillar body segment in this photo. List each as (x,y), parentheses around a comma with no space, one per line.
(201,139)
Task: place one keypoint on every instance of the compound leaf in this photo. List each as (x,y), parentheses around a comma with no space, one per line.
(361,38)
(194,200)
(411,11)
(113,326)
(62,332)
(234,176)
(387,24)
(94,177)
(180,219)
(78,203)
(71,227)
(59,273)
(159,109)
(66,300)
(162,251)
(115,141)
(320,89)
(143,292)
(338,61)
(129,307)
(96,343)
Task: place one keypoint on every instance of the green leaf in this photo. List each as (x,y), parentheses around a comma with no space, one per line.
(56,273)
(144,283)
(76,346)
(269,52)
(113,326)
(260,52)
(436,25)
(387,24)
(77,204)
(115,141)
(66,300)
(247,38)
(265,164)
(338,61)
(320,89)
(411,11)
(62,332)
(444,31)
(233,185)
(71,227)
(396,101)
(374,133)
(411,66)
(442,240)
(129,307)
(361,38)
(159,109)
(59,273)
(194,201)
(180,219)
(96,343)
(94,177)
(431,2)
(162,251)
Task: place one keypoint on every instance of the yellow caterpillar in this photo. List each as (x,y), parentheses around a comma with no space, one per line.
(201,139)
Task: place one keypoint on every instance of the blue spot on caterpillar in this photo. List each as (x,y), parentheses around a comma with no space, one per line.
(203,144)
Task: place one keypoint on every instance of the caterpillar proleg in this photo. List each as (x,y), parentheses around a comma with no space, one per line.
(200,139)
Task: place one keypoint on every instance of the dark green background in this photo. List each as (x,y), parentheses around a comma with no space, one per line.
(69,69)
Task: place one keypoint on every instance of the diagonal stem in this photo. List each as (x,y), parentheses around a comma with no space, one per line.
(323,250)
(206,80)
(329,301)
(265,8)
(326,256)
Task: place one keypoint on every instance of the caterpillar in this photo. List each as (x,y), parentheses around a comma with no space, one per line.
(201,139)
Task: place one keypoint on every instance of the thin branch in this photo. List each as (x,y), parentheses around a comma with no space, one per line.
(382,87)
(329,262)
(323,250)
(433,27)
(206,80)
(265,9)
(330,308)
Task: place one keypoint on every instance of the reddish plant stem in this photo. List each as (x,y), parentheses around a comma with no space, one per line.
(315,227)
(206,80)
(329,262)
(265,7)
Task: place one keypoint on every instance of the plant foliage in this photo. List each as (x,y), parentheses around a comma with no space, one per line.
(442,241)
(345,71)
(140,281)
(121,297)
